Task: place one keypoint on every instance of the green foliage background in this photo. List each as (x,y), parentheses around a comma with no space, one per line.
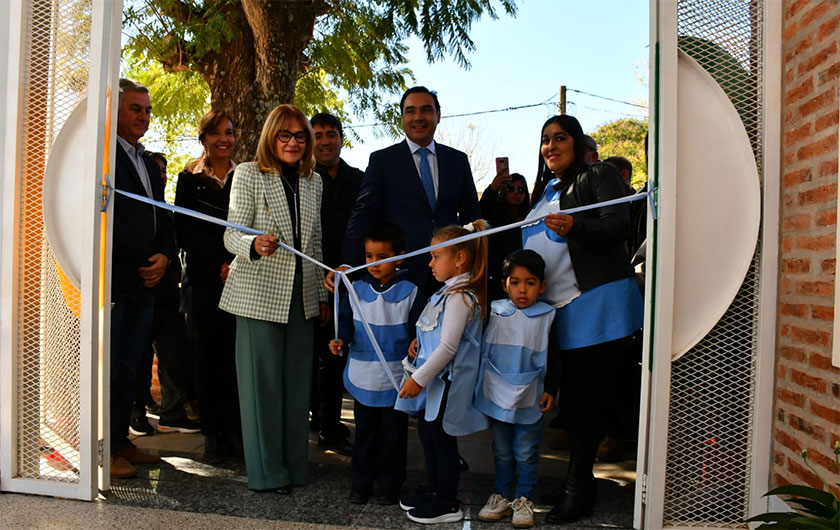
(625,137)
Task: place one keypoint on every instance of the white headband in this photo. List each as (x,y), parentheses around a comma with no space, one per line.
(469,227)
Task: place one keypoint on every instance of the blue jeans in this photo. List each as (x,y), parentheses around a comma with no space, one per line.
(516,448)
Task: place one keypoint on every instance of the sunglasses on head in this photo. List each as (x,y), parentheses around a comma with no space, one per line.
(510,187)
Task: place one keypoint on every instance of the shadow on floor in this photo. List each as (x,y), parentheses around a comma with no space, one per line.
(183,483)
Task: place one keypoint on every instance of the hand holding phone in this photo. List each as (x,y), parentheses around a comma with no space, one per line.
(502,177)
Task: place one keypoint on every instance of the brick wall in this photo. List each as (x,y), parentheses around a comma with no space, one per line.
(807,408)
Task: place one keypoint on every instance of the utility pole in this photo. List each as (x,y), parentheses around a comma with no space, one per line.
(561,107)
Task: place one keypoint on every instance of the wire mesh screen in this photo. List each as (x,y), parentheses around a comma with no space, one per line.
(55,74)
(712,385)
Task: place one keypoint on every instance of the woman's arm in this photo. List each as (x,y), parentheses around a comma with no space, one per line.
(457,312)
(607,225)
(241,211)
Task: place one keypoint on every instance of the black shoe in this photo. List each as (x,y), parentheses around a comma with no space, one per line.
(554,495)
(333,430)
(284,490)
(153,410)
(336,445)
(140,426)
(575,504)
(182,425)
(386,499)
(213,450)
(437,511)
(358,497)
(413,501)
(464,465)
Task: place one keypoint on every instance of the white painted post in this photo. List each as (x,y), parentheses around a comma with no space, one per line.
(660,269)
(95,330)
(762,435)
(12,88)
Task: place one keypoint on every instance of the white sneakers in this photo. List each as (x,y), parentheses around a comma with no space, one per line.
(496,508)
(523,513)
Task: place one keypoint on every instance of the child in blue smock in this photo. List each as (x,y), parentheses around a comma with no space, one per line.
(391,305)
(512,389)
(449,338)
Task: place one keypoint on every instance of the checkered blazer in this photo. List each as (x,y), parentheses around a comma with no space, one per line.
(262,288)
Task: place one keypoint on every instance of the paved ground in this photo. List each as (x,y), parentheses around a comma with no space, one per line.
(184,493)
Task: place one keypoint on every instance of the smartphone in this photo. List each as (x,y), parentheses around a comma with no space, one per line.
(502,164)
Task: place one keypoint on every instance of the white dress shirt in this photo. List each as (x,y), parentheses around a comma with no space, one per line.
(135,154)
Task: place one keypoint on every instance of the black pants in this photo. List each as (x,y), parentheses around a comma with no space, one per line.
(175,362)
(622,416)
(328,389)
(440,450)
(131,323)
(587,380)
(379,449)
(214,334)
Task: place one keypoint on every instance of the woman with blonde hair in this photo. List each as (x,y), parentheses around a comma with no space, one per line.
(276,296)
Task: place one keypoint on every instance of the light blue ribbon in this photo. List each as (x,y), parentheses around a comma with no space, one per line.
(341,276)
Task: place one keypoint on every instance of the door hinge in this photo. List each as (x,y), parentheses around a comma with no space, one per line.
(644,488)
(100,452)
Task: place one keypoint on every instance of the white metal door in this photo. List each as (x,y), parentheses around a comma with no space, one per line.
(705,448)
(53,351)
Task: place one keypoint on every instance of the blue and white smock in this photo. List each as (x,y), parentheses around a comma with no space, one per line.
(387,312)
(514,353)
(604,313)
(460,417)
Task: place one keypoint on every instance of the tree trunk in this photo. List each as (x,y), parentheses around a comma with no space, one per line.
(258,70)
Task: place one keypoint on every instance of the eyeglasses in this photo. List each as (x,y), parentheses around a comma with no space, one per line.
(519,189)
(284,136)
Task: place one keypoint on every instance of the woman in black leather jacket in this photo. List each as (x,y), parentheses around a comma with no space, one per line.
(205,186)
(592,285)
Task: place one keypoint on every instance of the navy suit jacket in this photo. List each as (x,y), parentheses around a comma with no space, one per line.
(393,192)
(135,238)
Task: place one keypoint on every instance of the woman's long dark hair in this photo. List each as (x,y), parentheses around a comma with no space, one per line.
(544,175)
(501,200)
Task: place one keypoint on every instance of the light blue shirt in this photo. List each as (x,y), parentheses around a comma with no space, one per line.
(135,154)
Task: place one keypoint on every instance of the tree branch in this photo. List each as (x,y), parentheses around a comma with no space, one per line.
(180,11)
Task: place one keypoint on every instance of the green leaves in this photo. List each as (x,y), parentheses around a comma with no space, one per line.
(353,47)
(820,508)
(625,137)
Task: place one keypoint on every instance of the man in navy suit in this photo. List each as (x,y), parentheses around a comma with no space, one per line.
(143,245)
(417,184)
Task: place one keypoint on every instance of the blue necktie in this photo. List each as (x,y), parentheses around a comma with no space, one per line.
(426,176)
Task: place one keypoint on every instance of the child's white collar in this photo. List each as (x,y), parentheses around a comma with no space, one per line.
(457,279)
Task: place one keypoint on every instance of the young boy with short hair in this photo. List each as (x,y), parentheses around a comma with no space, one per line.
(512,388)
(391,304)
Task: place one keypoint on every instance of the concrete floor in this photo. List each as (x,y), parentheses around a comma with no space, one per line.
(185,493)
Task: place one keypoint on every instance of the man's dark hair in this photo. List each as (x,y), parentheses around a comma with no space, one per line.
(158,157)
(326,119)
(621,164)
(387,233)
(420,90)
(526,258)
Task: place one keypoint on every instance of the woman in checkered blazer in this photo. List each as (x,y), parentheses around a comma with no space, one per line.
(276,297)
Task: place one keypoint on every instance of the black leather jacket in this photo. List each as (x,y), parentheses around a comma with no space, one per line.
(598,238)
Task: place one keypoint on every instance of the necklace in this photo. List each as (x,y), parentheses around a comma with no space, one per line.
(295,213)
